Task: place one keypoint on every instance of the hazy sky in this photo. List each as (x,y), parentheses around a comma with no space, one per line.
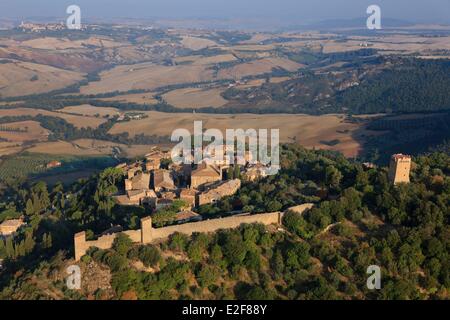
(297,11)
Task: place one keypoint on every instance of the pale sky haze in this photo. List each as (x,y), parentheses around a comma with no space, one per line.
(295,11)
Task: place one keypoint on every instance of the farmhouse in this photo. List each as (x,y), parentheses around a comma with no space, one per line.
(9,227)
(53,164)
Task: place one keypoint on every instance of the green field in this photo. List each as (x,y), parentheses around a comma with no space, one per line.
(33,165)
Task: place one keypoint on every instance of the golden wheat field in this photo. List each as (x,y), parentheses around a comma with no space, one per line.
(139,98)
(90,111)
(257,67)
(77,120)
(24,78)
(196,43)
(147,76)
(89,147)
(23,131)
(310,131)
(195,98)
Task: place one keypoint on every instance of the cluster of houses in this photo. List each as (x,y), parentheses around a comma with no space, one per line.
(157,182)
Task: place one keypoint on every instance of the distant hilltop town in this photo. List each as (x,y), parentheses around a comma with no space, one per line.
(37,27)
(41,27)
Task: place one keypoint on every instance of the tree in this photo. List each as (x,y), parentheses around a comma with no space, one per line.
(149,255)
(2,249)
(234,249)
(40,198)
(274,206)
(295,223)
(122,244)
(298,255)
(207,275)
(47,240)
(117,262)
(278,263)
(253,260)
(216,255)
(29,210)
(362,179)
(195,251)
(237,172)
(29,242)
(333,177)
(257,293)
(230,173)
(9,248)
(178,241)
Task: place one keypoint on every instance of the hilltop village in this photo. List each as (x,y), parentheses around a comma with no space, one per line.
(157,183)
(150,185)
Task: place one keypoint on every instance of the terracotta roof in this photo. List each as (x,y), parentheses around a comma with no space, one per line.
(141,181)
(206,170)
(132,193)
(188,192)
(186,214)
(223,189)
(162,178)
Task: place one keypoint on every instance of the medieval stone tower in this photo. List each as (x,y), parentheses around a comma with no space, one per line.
(399,169)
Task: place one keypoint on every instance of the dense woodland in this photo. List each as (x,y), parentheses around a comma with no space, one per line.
(410,86)
(359,219)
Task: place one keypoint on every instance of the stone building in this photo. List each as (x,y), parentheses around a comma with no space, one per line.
(216,193)
(205,174)
(255,172)
(399,168)
(163,203)
(9,227)
(158,154)
(162,181)
(188,196)
(137,190)
(133,170)
(141,181)
(152,164)
(187,216)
